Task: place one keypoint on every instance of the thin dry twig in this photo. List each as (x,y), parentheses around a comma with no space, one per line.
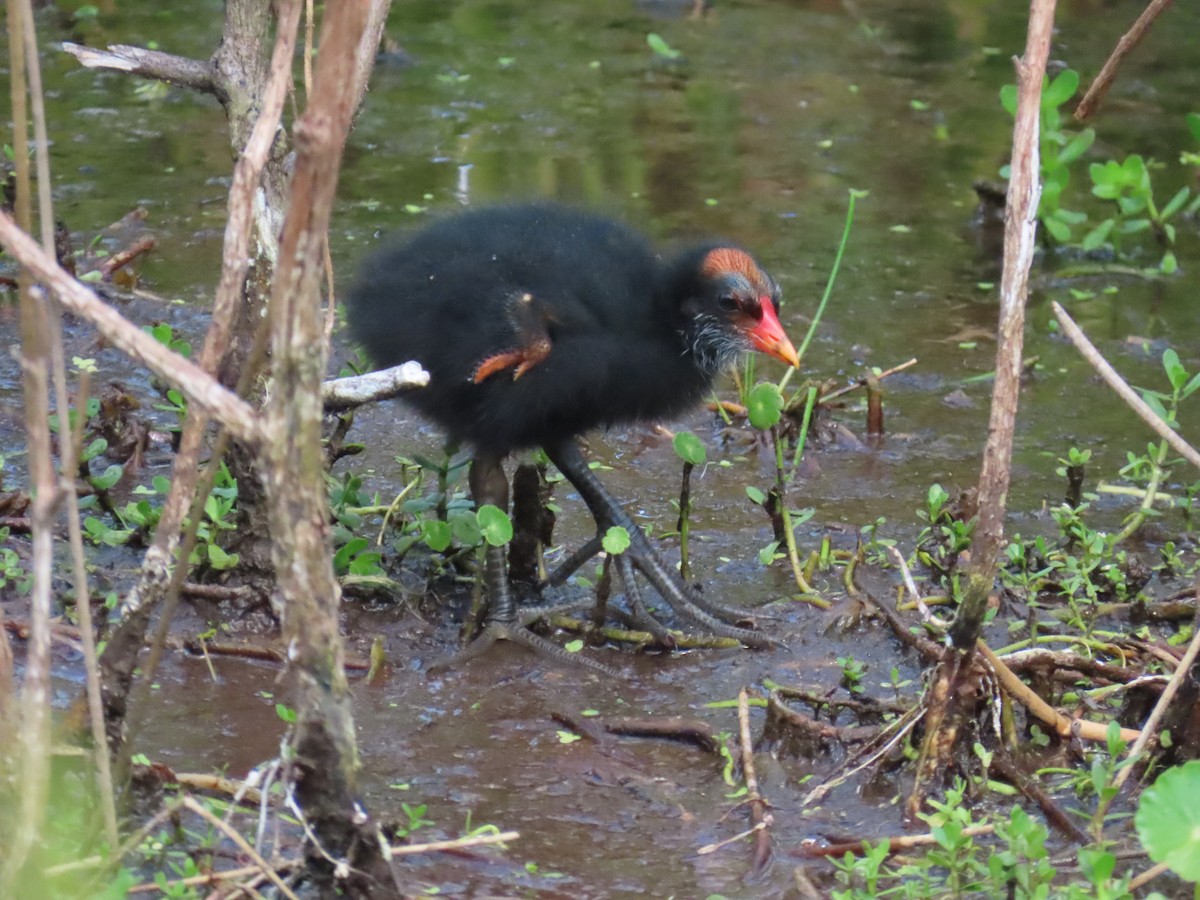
(1108,73)
(212,879)
(121,259)
(238,790)
(718,845)
(1140,881)
(324,760)
(806,726)
(1089,352)
(192,482)
(1020,242)
(673,728)
(242,844)
(34,357)
(895,844)
(478,840)
(69,447)
(760,813)
(929,650)
(1055,814)
(944,713)
(873,751)
(926,614)
(862,382)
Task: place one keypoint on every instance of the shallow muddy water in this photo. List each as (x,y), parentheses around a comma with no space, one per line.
(775,111)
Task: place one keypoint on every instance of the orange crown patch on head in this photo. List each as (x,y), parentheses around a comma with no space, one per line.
(729,259)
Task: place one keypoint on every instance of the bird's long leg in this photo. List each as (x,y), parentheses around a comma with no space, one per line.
(608,512)
(504,622)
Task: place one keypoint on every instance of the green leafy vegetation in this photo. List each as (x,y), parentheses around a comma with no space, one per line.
(1129,211)
(1058,149)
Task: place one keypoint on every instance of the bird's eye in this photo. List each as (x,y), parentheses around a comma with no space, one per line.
(727,302)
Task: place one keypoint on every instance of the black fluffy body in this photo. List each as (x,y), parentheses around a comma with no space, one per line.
(632,337)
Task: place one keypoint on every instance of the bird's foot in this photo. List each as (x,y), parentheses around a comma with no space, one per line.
(519,633)
(714,619)
(520,361)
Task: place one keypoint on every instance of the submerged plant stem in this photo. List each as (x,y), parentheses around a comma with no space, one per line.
(807,594)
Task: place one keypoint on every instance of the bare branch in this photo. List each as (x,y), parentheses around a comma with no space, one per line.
(178,70)
(1064,726)
(1126,393)
(1130,39)
(346,393)
(200,388)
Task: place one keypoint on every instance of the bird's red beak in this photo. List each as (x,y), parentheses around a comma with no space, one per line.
(769,337)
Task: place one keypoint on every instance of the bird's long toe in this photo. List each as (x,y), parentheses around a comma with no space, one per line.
(517,633)
(637,606)
(712,617)
(678,593)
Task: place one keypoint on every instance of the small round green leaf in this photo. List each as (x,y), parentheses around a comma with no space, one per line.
(495,525)
(689,448)
(436,534)
(1168,820)
(765,406)
(616,540)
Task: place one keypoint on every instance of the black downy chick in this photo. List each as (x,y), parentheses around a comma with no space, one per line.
(538,323)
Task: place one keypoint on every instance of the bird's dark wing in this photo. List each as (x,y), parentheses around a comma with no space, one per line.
(589,379)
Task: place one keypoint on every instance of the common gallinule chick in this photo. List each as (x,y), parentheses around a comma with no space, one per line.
(538,323)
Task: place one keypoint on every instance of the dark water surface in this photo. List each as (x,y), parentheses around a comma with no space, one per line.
(775,111)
